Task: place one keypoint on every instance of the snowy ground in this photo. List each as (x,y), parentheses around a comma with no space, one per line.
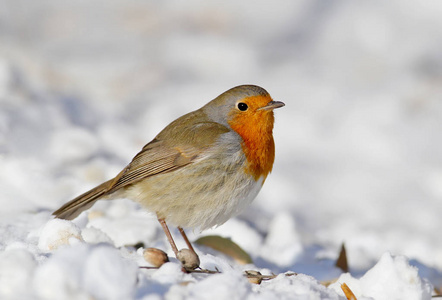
(84,84)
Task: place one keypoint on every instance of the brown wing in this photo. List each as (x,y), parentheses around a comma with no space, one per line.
(160,156)
(155,158)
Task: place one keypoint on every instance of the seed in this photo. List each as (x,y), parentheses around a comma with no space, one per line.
(155,257)
(188,259)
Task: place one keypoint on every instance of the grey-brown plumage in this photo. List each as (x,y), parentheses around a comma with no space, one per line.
(155,158)
(203,168)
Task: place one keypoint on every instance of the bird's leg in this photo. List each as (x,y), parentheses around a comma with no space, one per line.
(169,236)
(186,239)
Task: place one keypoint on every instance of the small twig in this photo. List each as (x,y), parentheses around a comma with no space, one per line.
(149,268)
(200,271)
(348,292)
(204,271)
(265,277)
(248,274)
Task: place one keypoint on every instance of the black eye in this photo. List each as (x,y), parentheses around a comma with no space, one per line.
(242,106)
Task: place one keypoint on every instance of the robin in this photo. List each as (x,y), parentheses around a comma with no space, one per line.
(200,170)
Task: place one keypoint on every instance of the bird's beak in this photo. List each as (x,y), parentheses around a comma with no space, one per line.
(272,105)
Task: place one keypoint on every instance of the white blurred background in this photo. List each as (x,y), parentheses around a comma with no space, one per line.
(85,84)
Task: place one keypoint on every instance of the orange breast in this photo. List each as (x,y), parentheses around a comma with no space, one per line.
(256,128)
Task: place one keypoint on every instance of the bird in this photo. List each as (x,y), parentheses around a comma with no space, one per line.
(200,170)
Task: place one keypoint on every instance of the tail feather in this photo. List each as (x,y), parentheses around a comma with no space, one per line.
(76,206)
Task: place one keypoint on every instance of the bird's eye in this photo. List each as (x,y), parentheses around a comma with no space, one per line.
(242,106)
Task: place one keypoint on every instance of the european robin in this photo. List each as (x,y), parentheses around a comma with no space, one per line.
(200,170)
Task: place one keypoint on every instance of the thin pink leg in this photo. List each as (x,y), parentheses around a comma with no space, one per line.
(186,239)
(169,236)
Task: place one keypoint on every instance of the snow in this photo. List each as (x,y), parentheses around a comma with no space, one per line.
(391,278)
(86,271)
(84,85)
(57,233)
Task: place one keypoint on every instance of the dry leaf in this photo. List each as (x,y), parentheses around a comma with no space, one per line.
(342,262)
(225,246)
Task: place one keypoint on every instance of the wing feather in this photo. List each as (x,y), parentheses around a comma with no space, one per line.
(166,155)
(154,159)
(177,146)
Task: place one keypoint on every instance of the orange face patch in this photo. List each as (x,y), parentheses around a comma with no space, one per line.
(255,128)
